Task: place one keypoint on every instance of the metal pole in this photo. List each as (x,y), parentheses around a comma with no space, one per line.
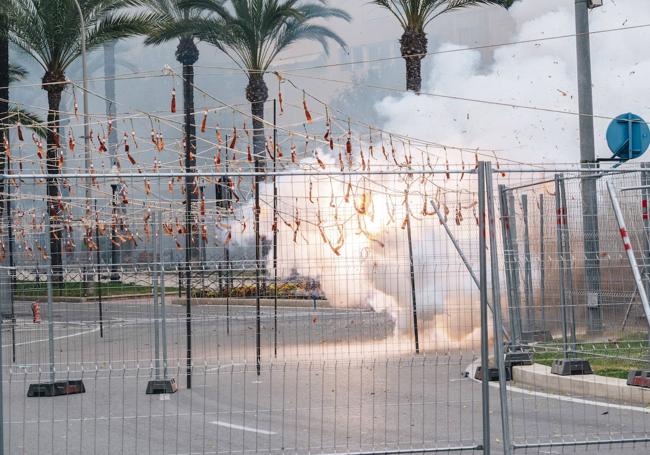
(226,189)
(645,196)
(560,252)
(514,262)
(12,270)
(190,184)
(569,263)
(588,159)
(50,321)
(485,384)
(155,284)
(412,275)
(528,272)
(99,280)
(468,266)
(84,69)
(514,256)
(275,232)
(542,271)
(498,315)
(162,297)
(629,251)
(505,227)
(258,260)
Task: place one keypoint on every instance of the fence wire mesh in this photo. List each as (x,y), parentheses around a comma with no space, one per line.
(572,295)
(343,323)
(323,312)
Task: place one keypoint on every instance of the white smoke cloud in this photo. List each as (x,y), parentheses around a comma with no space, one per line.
(372,268)
(539,74)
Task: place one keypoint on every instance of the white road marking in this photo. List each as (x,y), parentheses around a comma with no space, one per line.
(242,428)
(61,337)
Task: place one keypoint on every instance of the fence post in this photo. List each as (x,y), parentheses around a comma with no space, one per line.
(497,313)
(485,384)
(542,271)
(528,273)
(163,310)
(156,290)
(506,254)
(568,262)
(560,253)
(50,321)
(645,195)
(512,232)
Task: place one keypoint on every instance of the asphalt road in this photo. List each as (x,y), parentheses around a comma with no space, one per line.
(340,383)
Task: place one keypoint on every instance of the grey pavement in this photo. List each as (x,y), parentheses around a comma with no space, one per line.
(340,383)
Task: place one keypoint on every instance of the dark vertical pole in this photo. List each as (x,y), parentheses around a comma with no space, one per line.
(12,271)
(412,275)
(188,87)
(258,259)
(569,262)
(226,205)
(275,231)
(560,247)
(505,227)
(99,276)
(542,266)
(114,258)
(528,271)
(485,385)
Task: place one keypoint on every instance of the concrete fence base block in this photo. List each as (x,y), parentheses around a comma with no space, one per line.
(639,378)
(571,367)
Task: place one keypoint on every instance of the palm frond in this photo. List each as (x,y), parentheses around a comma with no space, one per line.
(16,73)
(254,32)
(417,14)
(29,120)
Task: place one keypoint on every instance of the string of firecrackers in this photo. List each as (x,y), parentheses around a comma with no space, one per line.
(490,153)
(157,140)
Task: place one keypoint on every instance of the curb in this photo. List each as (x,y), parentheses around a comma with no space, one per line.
(237,301)
(539,377)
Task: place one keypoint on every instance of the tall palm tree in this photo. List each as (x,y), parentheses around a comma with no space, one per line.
(414,16)
(169,15)
(252,33)
(49,31)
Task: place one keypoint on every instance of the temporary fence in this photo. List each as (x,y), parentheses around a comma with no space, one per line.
(318,311)
(569,264)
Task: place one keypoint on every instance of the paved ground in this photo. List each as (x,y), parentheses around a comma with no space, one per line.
(340,383)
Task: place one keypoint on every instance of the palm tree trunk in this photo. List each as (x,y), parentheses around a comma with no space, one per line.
(54,103)
(257,93)
(413,74)
(414,48)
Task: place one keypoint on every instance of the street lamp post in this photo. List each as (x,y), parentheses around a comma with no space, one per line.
(84,69)
(588,160)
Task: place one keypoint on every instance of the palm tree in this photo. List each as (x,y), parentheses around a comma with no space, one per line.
(49,31)
(169,14)
(414,16)
(252,33)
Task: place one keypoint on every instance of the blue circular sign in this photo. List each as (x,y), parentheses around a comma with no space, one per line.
(628,136)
